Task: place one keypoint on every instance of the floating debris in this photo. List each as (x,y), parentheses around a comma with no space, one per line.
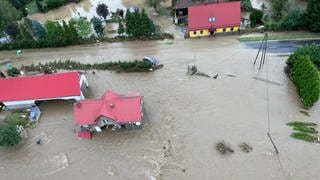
(231,75)
(245,147)
(223,148)
(215,76)
(304,112)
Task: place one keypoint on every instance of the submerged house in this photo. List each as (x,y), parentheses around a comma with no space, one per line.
(209,19)
(26,91)
(111,109)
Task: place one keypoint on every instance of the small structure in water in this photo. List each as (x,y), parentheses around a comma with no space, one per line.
(111,110)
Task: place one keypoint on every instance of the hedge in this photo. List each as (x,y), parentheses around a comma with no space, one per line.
(309,50)
(127,66)
(306,78)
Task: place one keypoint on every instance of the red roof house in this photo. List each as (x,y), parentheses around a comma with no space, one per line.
(111,109)
(208,19)
(21,92)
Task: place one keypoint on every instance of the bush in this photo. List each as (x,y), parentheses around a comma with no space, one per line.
(309,50)
(304,136)
(306,79)
(246,5)
(17,118)
(292,21)
(9,135)
(256,17)
(13,72)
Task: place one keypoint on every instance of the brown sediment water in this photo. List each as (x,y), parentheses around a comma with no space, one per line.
(186,116)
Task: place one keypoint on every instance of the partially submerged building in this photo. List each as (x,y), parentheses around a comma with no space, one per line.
(209,19)
(111,109)
(25,91)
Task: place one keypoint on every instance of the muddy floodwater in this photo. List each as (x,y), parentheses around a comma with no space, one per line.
(185,118)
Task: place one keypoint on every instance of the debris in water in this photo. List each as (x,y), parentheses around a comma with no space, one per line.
(223,148)
(38,141)
(215,76)
(231,75)
(93,72)
(193,70)
(304,112)
(184,170)
(245,147)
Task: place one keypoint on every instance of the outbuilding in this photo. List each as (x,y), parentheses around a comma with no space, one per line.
(25,91)
(209,19)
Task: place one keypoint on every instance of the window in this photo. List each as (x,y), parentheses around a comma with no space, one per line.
(194,32)
(231,29)
(212,19)
(201,32)
(224,29)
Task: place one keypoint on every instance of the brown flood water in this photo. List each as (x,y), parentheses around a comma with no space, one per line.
(185,118)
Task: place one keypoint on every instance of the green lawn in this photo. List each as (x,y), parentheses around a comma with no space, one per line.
(281,36)
(32,7)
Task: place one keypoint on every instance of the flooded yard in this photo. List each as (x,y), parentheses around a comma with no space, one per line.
(186,116)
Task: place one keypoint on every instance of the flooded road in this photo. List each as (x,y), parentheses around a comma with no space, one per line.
(185,117)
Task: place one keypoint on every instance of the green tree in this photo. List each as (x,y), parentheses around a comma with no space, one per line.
(278,7)
(24,34)
(7,14)
(9,135)
(246,5)
(292,21)
(12,29)
(27,23)
(102,10)
(38,29)
(147,26)
(313,15)
(82,26)
(129,23)
(256,17)
(121,29)
(97,25)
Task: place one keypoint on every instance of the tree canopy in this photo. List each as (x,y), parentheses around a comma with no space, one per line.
(9,135)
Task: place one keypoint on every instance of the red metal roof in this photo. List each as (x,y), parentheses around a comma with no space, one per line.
(226,15)
(39,86)
(118,108)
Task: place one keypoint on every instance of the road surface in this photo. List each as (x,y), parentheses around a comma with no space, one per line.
(281,47)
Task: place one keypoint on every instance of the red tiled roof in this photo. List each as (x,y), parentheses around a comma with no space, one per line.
(39,87)
(226,15)
(181,4)
(118,108)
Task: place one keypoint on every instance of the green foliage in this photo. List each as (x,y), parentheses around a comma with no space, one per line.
(300,124)
(17,118)
(38,29)
(12,29)
(306,79)
(9,135)
(102,10)
(246,5)
(306,130)
(312,15)
(313,51)
(7,14)
(304,136)
(97,25)
(293,20)
(13,72)
(278,7)
(128,66)
(256,17)
(52,4)
(121,29)
(139,24)
(82,26)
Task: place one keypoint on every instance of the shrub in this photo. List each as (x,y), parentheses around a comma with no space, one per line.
(246,5)
(17,118)
(300,124)
(303,136)
(9,135)
(292,21)
(13,72)
(306,79)
(256,17)
(309,50)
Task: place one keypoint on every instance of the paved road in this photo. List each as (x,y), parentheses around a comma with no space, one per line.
(281,47)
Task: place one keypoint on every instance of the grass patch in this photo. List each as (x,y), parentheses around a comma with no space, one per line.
(305,129)
(304,112)
(32,7)
(281,37)
(304,136)
(301,124)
